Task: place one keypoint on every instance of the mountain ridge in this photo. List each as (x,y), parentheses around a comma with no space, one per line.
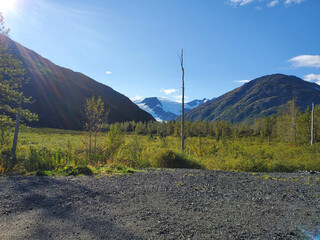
(260,97)
(60,93)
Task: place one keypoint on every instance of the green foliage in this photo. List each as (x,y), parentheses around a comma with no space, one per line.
(74,171)
(130,154)
(216,145)
(5,157)
(175,159)
(12,77)
(96,117)
(115,139)
(45,159)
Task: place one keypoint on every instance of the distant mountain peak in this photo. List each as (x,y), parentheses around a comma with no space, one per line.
(163,109)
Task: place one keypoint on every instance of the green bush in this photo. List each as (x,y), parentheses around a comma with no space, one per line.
(5,154)
(173,159)
(130,155)
(115,139)
(45,159)
(278,166)
(74,171)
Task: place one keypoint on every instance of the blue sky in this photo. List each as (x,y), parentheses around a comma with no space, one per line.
(133,45)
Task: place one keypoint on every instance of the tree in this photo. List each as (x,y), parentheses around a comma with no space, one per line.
(268,124)
(287,122)
(115,138)
(13,76)
(182,110)
(96,116)
(303,127)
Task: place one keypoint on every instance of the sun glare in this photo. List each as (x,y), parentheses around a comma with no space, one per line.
(6,5)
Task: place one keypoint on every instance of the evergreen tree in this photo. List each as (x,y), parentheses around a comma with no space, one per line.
(12,77)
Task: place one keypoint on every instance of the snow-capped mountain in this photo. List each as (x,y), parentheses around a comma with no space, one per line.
(163,109)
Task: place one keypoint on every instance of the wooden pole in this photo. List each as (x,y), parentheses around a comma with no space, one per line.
(182,115)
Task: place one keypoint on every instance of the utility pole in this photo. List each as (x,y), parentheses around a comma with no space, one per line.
(312,123)
(182,115)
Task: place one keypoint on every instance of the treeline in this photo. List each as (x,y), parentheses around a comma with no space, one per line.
(289,125)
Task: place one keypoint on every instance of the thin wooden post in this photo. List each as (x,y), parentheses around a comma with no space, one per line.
(182,115)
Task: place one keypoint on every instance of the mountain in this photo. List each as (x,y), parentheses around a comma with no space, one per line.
(60,93)
(262,96)
(165,110)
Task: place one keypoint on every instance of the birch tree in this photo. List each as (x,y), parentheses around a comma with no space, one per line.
(96,116)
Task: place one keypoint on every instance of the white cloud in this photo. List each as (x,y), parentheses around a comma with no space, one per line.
(273,3)
(312,78)
(306,61)
(288,2)
(136,98)
(108,72)
(179,98)
(240,2)
(242,81)
(168,91)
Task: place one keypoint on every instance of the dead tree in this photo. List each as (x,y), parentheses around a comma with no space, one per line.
(182,112)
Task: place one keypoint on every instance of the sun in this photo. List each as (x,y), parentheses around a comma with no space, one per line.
(6,5)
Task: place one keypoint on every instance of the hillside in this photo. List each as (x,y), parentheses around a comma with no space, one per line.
(60,93)
(262,96)
(163,109)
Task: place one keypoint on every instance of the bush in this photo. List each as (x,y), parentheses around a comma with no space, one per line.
(285,166)
(69,171)
(74,171)
(115,139)
(130,155)
(45,159)
(4,160)
(172,159)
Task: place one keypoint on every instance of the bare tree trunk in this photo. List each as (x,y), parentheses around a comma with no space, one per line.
(312,123)
(95,142)
(90,141)
(182,115)
(15,138)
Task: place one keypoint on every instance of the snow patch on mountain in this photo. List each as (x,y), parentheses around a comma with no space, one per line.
(163,109)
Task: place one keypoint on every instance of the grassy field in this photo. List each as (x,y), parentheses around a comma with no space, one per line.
(52,149)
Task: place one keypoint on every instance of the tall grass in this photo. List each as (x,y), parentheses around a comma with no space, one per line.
(48,149)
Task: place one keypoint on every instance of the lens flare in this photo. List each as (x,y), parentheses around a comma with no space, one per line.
(6,5)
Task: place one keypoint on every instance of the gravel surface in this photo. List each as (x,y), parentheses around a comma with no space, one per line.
(161,204)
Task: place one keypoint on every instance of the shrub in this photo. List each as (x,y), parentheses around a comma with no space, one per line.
(130,154)
(115,139)
(74,171)
(285,166)
(45,159)
(173,159)
(4,160)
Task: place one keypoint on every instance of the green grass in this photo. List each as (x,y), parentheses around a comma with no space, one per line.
(61,152)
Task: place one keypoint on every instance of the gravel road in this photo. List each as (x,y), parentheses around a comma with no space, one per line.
(161,204)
